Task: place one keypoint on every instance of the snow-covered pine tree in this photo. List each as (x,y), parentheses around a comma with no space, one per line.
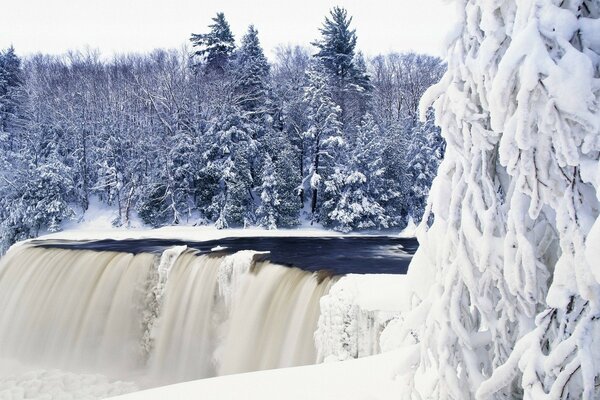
(280,205)
(336,45)
(215,48)
(512,311)
(337,53)
(353,191)
(323,136)
(251,77)
(37,194)
(229,156)
(426,149)
(289,77)
(11,83)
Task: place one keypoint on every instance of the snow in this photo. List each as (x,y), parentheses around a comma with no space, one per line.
(185,233)
(57,384)
(355,312)
(410,230)
(367,378)
(98,216)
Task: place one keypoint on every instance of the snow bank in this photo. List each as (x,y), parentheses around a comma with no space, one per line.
(355,312)
(185,233)
(366,378)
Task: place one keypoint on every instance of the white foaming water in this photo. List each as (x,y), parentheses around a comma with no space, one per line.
(153,320)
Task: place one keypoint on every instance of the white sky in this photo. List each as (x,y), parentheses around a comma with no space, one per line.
(117,26)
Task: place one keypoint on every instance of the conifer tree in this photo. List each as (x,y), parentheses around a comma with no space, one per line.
(511,308)
(426,150)
(354,190)
(252,89)
(10,97)
(280,206)
(215,47)
(336,45)
(229,156)
(337,53)
(324,134)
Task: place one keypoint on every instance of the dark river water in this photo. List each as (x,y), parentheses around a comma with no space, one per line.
(339,255)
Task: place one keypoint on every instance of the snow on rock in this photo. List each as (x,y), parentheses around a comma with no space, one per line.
(56,384)
(355,312)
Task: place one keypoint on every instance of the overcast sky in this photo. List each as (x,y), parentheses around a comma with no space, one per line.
(117,26)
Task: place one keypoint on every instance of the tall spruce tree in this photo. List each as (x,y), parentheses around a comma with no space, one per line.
(10,97)
(336,45)
(280,206)
(337,53)
(252,86)
(230,152)
(324,135)
(426,150)
(354,191)
(215,47)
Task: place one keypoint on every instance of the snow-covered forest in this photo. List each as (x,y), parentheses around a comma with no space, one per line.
(216,133)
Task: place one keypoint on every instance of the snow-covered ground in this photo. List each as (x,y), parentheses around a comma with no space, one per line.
(368,378)
(96,224)
(191,233)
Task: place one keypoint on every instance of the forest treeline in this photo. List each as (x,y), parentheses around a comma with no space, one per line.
(217,134)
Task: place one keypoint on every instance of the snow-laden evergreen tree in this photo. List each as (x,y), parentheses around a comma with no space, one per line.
(280,205)
(10,98)
(230,152)
(323,136)
(252,87)
(168,198)
(512,311)
(337,53)
(426,149)
(353,191)
(336,45)
(289,80)
(37,194)
(216,47)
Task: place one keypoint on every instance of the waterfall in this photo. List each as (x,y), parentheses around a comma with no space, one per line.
(156,319)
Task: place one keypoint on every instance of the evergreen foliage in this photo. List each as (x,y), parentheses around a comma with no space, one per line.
(215,47)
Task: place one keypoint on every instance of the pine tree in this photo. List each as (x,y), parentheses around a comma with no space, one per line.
(10,97)
(355,188)
(425,152)
(350,88)
(324,134)
(336,46)
(280,206)
(512,308)
(229,156)
(252,88)
(216,47)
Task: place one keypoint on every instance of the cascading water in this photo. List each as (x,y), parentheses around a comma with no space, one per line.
(155,320)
